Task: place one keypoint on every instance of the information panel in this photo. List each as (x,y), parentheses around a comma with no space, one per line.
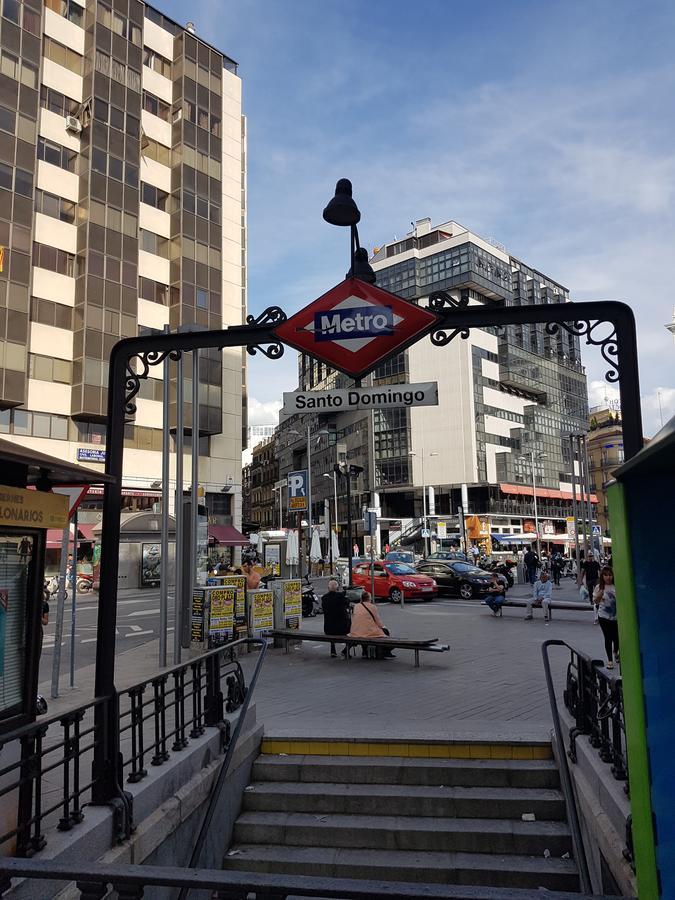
(262,611)
(221,620)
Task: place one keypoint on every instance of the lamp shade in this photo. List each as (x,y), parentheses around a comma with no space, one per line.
(362,268)
(342,210)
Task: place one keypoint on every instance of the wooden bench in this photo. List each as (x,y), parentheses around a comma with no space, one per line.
(555,604)
(390,643)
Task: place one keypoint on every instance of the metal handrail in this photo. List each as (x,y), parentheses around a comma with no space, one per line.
(566,778)
(225,882)
(222,774)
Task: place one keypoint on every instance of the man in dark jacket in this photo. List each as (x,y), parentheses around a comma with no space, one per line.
(531,561)
(336,618)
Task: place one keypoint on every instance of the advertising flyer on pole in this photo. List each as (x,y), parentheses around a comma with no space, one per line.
(223,600)
(262,611)
(235,581)
(292,598)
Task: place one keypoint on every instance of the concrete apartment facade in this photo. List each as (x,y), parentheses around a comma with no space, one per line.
(123,210)
(503,398)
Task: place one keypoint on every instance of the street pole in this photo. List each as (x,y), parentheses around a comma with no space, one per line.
(60,610)
(178,588)
(194,494)
(329,532)
(575,509)
(534,496)
(424,510)
(309,497)
(164,544)
(589,505)
(336,500)
(350,554)
(73,604)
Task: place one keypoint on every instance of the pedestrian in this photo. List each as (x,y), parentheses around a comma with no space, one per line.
(336,617)
(475,552)
(252,577)
(542,593)
(589,575)
(25,549)
(496,597)
(604,599)
(355,549)
(366,623)
(556,567)
(531,562)
(386,548)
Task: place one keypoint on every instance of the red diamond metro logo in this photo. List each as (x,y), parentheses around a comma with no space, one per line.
(355,326)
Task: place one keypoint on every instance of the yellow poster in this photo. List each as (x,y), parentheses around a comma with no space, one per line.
(238,582)
(32,509)
(292,598)
(262,610)
(222,611)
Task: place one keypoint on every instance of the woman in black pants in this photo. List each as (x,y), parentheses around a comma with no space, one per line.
(605,602)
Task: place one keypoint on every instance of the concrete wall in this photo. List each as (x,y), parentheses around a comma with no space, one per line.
(169,805)
(603,808)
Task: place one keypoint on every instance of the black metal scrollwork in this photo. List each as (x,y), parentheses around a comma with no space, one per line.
(607,342)
(440,301)
(270,317)
(133,379)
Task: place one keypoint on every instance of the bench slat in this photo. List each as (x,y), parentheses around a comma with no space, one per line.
(403,643)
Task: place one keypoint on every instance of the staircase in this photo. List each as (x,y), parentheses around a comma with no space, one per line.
(407,812)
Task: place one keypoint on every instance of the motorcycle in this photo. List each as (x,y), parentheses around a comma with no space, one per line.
(311,605)
(85,583)
(52,586)
(503,567)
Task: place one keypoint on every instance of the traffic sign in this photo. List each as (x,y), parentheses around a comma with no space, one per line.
(297,490)
(356,325)
(597,530)
(370,521)
(426,533)
(388,396)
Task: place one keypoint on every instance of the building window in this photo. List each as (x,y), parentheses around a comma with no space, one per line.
(46,257)
(57,155)
(11,9)
(47,313)
(62,55)
(7,119)
(45,368)
(68,9)
(153,243)
(58,103)
(153,60)
(153,196)
(152,150)
(156,106)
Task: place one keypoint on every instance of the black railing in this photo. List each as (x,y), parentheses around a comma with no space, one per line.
(157,717)
(595,699)
(130,881)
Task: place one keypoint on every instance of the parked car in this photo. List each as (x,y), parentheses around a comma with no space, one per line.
(447,555)
(395,581)
(403,556)
(457,577)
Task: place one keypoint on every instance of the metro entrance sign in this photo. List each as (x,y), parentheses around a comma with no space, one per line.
(355,325)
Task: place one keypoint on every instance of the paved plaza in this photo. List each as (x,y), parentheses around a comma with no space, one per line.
(490,684)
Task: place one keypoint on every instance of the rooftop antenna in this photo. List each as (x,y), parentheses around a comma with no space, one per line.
(190,26)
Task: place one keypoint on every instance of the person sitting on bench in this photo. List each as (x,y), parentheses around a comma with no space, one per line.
(541,596)
(366,623)
(495,598)
(336,618)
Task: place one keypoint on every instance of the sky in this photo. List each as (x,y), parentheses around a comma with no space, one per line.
(547,126)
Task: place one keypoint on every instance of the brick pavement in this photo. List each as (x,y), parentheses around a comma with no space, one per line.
(491,683)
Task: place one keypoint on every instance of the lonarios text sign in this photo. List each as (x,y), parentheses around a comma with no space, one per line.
(32,509)
(383,397)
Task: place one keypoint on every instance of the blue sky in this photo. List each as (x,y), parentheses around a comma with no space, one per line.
(546,125)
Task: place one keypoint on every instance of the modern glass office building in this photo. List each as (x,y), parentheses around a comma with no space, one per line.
(122,211)
(507,402)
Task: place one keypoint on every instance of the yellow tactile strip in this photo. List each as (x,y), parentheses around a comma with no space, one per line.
(406,748)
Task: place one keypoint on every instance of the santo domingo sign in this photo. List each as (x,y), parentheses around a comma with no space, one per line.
(356,325)
(387,396)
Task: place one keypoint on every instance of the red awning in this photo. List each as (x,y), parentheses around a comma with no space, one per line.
(55,535)
(541,492)
(227,536)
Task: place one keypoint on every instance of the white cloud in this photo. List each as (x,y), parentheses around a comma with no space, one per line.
(263,412)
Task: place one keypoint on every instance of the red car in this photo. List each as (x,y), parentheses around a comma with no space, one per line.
(395,581)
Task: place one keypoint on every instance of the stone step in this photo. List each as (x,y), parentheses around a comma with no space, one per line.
(502,836)
(405,800)
(517,773)
(410,866)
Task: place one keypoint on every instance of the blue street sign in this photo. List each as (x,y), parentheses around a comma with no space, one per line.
(297,490)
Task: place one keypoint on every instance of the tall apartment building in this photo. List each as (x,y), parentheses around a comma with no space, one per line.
(503,398)
(605,454)
(122,211)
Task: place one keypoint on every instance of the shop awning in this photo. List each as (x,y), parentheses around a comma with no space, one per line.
(55,535)
(541,492)
(514,538)
(227,536)
(86,533)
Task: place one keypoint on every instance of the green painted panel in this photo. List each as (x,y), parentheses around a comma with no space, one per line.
(631,675)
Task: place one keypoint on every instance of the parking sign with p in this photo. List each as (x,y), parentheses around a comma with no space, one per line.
(297,490)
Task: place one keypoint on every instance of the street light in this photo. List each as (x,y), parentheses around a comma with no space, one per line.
(533,455)
(424,498)
(334,477)
(343,211)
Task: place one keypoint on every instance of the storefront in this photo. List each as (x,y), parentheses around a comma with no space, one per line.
(140,550)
